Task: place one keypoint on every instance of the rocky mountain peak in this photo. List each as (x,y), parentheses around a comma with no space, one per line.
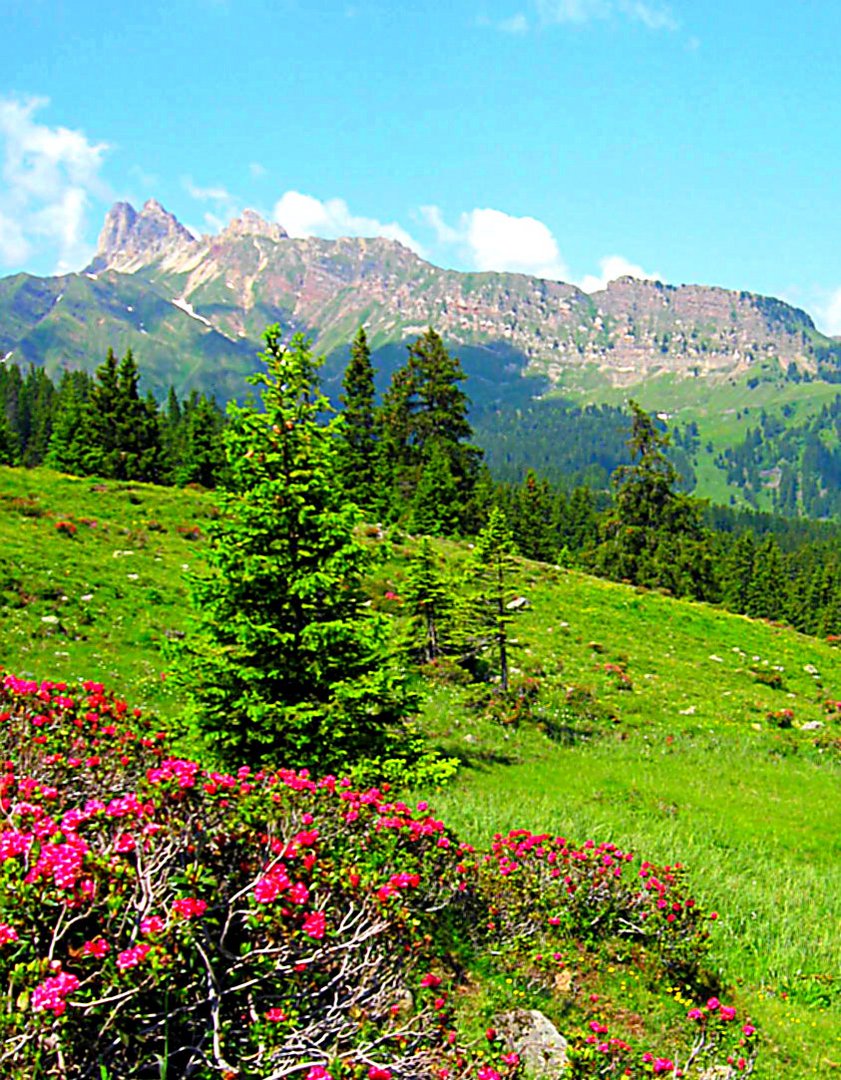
(251,224)
(130,240)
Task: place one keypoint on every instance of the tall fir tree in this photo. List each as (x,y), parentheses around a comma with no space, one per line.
(767,596)
(202,455)
(137,453)
(435,506)
(358,432)
(36,415)
(653,534)
(287,666)
(491,589)
(100,418)
(8,442)
(429,600)
(532,522)
(68,445)
(738,566)
(425,408)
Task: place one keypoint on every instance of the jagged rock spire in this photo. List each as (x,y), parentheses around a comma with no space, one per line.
(129,239)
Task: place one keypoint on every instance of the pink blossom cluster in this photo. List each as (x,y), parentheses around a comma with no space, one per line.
(51,993)
(282,841)
(7,934)
(189,907)
(130,958)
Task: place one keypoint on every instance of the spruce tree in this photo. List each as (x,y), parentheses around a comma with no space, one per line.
(738,573)
(651,535)
(69,442)
(395,464)
(424,408)
(491,590)
(359,445)
(202,453)
(99,419)
(137,452)
(36,415)
(767,596)
(435,507)
(430,603)
(8,442)
(287,666)
(532,522)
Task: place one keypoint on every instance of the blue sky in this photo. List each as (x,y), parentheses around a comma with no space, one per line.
(576,139)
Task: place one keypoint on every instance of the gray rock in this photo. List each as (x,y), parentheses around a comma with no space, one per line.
(811,725)
(519,603)
(541,1047)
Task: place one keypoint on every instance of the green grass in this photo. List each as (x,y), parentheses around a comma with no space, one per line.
(685,766)
(101,603)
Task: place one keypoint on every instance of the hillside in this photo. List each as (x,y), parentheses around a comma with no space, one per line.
(671,728)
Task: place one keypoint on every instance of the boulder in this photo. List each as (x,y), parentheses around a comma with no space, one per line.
(541,1047)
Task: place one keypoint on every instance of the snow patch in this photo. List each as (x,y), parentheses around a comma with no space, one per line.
(187,307)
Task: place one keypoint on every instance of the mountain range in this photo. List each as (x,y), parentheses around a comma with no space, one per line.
(193,310)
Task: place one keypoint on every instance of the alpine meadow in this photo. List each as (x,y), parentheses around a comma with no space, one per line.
(420,541)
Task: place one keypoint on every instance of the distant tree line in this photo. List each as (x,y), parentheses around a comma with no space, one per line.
(571,445)
(653,535)
(411,460)
(100,425)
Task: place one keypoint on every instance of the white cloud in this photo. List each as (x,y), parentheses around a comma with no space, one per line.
(493,240)
(613,267)
(14,247)
(651,13)
(49,175)
(207,194)
(224,206)
(444,233)
(486,239)
(525,245)
(304,215)
(829,314)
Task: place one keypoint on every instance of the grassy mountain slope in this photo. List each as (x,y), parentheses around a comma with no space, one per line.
(683,765)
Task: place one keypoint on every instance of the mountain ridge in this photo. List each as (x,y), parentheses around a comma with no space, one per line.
(183,300)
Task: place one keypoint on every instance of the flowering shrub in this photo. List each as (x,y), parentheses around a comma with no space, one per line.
(542,888)
(189,532)
(717,1035)
(265,924)
(151,908)
(781,718)
(66,528)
